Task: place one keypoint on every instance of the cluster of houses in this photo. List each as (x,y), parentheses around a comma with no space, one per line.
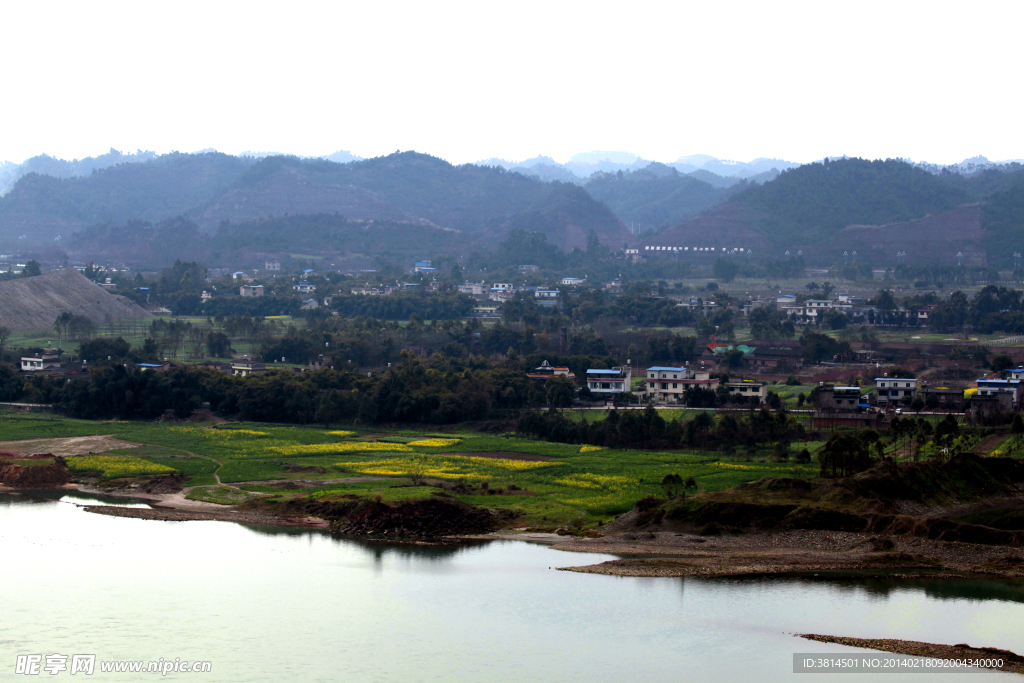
(835,405)
(664,385)
(49,362)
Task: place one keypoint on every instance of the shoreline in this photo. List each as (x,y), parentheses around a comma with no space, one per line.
(662,553)
(800,552)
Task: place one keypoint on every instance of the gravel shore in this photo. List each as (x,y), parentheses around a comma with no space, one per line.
(791,552)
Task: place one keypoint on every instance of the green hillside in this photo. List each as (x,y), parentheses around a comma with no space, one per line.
(145,243)
(657,196)
(1002,216)
(42,206)
(809,204)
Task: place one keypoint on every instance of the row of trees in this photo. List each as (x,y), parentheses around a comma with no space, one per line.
(440,389)
(647,429)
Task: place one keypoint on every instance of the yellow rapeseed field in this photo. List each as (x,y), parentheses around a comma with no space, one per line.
(590,449)
(453,467)
(116,466)
(435,443)
(341,447)
(598,481)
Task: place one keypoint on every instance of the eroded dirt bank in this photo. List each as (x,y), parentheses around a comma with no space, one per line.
(952,519)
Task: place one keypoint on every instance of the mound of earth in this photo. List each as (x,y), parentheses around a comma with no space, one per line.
(33,303)
(165,483)
(35,477)
(428,518)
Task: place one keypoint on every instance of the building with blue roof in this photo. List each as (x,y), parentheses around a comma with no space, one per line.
(993,387)
(609,382)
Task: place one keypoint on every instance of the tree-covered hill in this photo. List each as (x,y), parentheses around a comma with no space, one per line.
(465,198)
(249,244)
(212,189)
(655,197)
(42,207)
(567,215)
(809,204)
(1002,217)
(877,208)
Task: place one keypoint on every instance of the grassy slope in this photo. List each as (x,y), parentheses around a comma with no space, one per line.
(573,487)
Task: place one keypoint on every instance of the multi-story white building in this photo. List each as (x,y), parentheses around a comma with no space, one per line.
(992,387)
(473,288)
(668,384)
(749,389)
(50,358)
(609,382)
(894,389)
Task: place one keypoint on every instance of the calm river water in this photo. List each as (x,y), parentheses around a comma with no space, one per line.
(266,604)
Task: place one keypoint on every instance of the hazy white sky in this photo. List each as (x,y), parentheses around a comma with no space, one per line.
(936,81)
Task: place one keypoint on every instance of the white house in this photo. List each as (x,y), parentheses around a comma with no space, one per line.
(609,382)
(304,287)
(668,384)
(473,288)
(571,281)
(894,389)
(749,389)
(250,290)
(47,359)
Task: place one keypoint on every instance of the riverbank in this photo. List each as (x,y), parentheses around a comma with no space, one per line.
(228,515)
(669,553)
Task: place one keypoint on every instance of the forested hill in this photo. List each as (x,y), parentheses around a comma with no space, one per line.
(350,244)
(657,196)
(41,207)
(811,203)
(212,189)
(878,208)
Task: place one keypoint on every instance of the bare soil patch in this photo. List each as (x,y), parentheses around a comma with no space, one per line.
(37,477)
(65,446)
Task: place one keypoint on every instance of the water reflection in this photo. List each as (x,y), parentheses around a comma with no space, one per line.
(297,604)
(376,549)
(1004,590)
(67,495)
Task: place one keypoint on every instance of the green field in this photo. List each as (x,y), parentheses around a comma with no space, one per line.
(561,486)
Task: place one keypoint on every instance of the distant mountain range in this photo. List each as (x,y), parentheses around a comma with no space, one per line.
(583,166)
(408,203)
(45,164)
(214,190)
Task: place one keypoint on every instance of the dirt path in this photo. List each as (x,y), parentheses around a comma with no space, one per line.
(72,445)
(986,446)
